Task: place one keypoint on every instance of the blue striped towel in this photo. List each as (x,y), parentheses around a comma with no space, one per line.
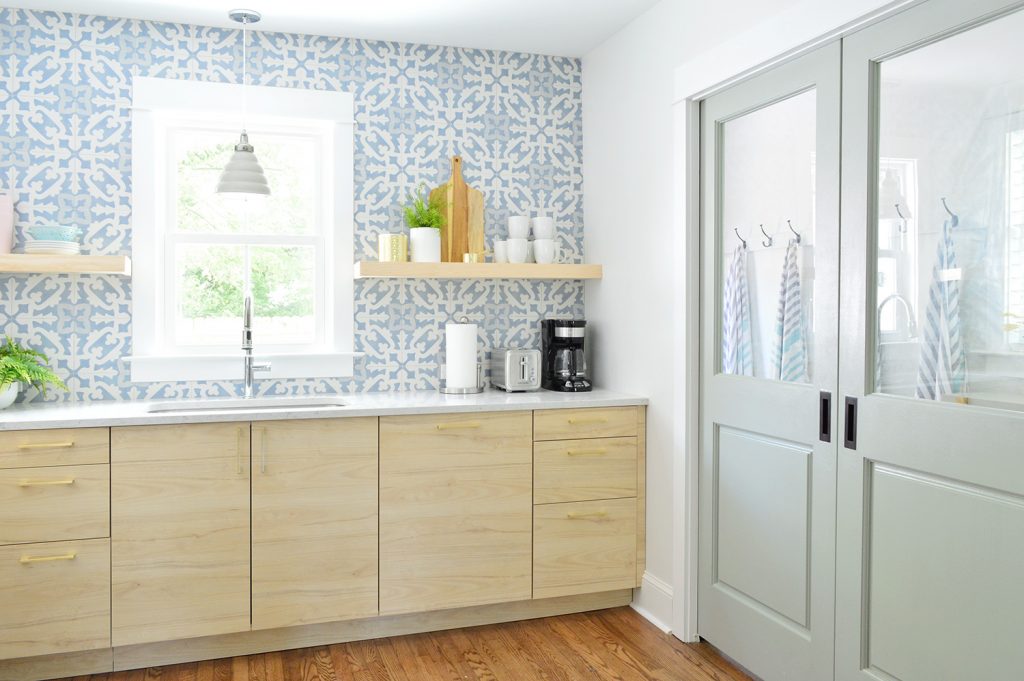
(942,368)
(790,347)
(737,346)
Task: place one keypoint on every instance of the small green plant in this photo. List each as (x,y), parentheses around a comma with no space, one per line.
(25,365)
(424,212)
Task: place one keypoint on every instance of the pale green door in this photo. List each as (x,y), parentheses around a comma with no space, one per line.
(930,533)
(770,172)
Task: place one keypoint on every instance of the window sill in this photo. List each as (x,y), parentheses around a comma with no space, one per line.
(149,368)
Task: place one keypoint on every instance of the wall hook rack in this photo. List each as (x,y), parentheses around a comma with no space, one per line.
(766,244)
(795,233)
(742,240)
(954,216)
(903,220)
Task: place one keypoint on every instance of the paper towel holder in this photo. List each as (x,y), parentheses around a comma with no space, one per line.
(466,391)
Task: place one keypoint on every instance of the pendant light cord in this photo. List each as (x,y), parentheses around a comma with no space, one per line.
(245,72)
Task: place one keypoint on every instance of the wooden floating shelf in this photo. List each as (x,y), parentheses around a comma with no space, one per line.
(483,270)
(26,263)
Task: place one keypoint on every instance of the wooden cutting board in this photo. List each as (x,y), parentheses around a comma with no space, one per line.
(464,216)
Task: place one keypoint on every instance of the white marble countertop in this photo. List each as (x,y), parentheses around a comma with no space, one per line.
(115,413)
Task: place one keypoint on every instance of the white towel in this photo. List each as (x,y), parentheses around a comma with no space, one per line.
(942,368)
(737,346)
(790,346)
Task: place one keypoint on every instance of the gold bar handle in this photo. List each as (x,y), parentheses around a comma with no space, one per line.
(26,560)
(48,445)
(587,420)
(45,483)
(587,452)
(574,515)
(238,452)
(458,426)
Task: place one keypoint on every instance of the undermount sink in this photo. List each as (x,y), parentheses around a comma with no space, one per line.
(217,404)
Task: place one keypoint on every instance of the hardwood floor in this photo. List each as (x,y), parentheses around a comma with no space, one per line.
(607,644)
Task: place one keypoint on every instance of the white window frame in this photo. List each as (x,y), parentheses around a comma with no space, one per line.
(158,102)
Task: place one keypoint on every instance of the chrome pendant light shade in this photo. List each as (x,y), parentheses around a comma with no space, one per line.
(243,174)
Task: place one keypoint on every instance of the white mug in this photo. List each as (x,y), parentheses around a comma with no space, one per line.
(500,251)
(543,227)
(517,250)
(518,227)
(545,251)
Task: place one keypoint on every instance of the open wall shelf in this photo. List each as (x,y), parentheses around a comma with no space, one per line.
(485,270)
(24,263)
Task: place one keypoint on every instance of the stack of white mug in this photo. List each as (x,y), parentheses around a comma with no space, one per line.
(519,249)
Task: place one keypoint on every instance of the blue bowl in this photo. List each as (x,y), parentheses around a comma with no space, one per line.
(55,233)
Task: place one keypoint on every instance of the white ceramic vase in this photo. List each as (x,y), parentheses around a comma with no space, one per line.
(425,244)
(8,394)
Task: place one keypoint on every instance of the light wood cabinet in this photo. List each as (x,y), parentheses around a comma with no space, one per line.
(55,447)
(579,470)
(56,597)
(564,424)
(314,521)
(455,510)
(584,547)
(180,531)
(54,503)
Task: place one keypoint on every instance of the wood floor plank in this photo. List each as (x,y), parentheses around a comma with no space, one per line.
(607,645)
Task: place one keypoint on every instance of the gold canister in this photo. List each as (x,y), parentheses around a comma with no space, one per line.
(393,248)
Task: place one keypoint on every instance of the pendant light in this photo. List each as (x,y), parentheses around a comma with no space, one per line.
(243,174)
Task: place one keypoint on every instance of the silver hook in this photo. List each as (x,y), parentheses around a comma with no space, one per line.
(956,218)
(766,244)
(742,240)
(903,225)
(793,230)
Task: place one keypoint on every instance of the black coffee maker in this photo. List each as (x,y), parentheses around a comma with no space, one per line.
(565,367)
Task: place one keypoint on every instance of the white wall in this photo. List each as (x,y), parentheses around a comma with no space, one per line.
(628,89)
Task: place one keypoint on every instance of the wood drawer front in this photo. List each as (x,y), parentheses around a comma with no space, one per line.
(56,597)
(455,511)
(63,447)
(584,470)
(567,424)
(54,503)
(584,547)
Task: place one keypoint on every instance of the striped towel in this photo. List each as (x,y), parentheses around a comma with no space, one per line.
(737,352)
(790,357)
(942,368)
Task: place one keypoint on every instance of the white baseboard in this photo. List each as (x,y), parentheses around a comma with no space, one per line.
(653,600)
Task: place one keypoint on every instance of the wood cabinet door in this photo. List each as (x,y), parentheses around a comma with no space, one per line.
(314,521)
(455,510)
(179,531)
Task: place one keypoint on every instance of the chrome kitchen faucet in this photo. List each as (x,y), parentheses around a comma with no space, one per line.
(250,367)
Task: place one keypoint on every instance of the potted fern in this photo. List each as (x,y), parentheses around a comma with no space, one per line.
(425,218)
(21,365)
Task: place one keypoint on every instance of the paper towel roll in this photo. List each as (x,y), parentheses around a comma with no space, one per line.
(460,355)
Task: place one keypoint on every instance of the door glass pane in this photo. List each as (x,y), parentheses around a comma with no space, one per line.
(767,198)
(950,220)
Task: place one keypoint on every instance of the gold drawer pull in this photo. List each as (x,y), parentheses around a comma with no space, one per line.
(45,483)
(48,445)
(587,452)
(25,560)
(587,420)
(457,426)
(574,515)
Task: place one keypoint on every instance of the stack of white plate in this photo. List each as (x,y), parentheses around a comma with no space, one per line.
(39,247)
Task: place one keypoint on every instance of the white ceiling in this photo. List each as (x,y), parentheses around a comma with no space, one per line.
(557,27)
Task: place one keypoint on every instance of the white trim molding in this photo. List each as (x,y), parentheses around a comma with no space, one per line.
(653,600)
(156,104)
(788,35)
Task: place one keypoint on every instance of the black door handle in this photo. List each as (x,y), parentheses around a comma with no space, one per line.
(850,436)
(825,416)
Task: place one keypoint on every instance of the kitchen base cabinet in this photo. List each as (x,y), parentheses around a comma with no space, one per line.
(314,521)
(455,510)
(179,531)
(56,597)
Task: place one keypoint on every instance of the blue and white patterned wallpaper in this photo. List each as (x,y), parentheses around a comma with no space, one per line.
(65,155)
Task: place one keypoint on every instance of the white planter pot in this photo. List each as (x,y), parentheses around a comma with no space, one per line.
(425,244)
(9,394)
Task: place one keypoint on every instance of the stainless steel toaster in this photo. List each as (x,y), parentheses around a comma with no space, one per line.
(515,370)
